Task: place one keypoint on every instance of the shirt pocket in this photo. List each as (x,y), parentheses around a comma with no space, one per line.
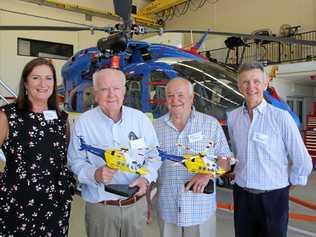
(194,205)
(268,144)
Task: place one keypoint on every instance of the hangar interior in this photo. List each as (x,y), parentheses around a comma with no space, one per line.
(294,66)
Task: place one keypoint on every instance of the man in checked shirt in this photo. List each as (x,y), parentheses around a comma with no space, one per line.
(184,213)
(263,140)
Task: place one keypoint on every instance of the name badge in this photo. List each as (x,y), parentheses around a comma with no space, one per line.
(137,144)
(260,137)
(50,115)
(195,137)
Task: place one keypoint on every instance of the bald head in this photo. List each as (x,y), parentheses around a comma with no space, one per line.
(108,73)
(109,90)
(180,81)
(179,95)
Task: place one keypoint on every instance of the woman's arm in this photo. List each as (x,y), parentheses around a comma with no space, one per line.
(4,125)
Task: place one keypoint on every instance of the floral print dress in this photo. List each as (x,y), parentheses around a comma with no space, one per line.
(35,198)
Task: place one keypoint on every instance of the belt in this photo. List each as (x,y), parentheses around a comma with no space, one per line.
(253,190)
(121,202)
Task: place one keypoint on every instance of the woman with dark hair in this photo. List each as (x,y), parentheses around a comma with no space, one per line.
(35,198)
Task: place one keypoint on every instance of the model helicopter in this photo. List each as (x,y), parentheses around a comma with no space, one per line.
(117,158)
(197,163)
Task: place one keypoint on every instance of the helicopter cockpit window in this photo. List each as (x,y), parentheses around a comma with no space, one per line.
(133,91)
(215,88)
(88,99)
(157,93)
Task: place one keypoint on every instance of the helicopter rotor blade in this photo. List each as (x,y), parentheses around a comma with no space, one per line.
(123,9)
(286,40)
(44,28)
(56,28)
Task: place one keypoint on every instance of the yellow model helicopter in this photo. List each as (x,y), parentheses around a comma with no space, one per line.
(117,158)
(198,163)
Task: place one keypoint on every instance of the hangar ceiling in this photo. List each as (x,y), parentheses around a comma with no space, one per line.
(146,9)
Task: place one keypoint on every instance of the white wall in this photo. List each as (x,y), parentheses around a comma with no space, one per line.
(287,90)
(293,80)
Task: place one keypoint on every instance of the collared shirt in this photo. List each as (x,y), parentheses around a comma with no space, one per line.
(174,204)
(263,145)
(100,131)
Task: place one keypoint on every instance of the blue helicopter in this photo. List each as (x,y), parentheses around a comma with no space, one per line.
(148,67)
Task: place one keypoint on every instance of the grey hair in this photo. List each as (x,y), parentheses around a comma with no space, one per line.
(186,81)
(122,75)
(252,66)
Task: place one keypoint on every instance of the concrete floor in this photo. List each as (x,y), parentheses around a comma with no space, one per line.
(224,218)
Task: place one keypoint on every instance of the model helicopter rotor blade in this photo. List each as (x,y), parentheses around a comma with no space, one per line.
(286,40)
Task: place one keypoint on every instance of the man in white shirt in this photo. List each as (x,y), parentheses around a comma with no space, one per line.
(263,137)
(112,125)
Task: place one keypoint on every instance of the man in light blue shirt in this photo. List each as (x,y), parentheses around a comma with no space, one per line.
(263,139)
(111,125)
(184,213)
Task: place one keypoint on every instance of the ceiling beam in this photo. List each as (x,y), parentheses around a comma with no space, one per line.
(158,6)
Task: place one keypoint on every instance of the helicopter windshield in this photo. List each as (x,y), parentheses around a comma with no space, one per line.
(215,87)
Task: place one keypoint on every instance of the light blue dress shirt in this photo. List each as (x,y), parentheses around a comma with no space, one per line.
(175,205)
(99,130)
(264,147)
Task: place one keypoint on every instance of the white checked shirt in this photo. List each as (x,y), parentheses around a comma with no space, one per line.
(174,204)
(263,147)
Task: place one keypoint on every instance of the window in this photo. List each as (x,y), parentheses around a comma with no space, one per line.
(38,48)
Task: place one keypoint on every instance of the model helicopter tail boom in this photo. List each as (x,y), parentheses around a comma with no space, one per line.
(94,150)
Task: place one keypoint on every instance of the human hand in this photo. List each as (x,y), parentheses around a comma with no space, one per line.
(224,163)
(142,184)
(149,199)
(104,174)
(149,215)
(198,182)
